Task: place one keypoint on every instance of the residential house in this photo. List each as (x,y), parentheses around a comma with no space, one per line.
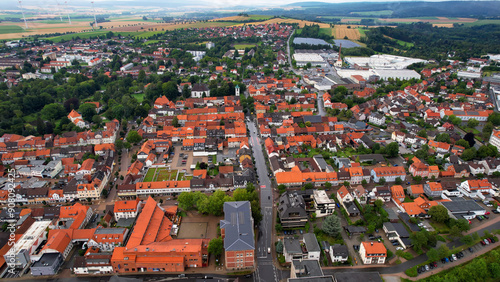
(372,252)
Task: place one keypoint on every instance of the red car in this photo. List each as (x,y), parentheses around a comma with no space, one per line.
(487,213)
(483,243)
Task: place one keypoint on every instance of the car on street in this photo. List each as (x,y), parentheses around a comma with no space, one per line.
(451,258)
(483,243)
(399,249)
(493,239)
(485,216)
(495,211)
(487,213)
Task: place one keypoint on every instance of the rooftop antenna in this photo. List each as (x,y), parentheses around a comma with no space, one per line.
(24,18)
(93,10)
(66,7)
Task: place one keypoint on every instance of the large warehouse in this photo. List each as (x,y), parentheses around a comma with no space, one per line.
(303,58)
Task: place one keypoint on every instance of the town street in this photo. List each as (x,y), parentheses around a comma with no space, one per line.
(265,271)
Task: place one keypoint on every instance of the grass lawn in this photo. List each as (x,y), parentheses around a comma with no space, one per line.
(440,227)
(151,42)
(138,97)
(10,29)
(328,31)
(243,46)
(149,175)
(408,200)
(165,175)
(362,31)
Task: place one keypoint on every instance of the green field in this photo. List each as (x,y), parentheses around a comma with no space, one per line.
(10,29)
(362,31)
(138,97)
(482,22)
(374,13)
(327,31)
(259,17)
(243,46)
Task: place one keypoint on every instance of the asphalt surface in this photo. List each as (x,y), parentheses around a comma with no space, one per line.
(265,270)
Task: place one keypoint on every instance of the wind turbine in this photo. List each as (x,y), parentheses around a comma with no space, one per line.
(93,10)
(66,7)
(24,18)
(59,10)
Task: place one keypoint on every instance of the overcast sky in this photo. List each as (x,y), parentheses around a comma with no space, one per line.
(13,4)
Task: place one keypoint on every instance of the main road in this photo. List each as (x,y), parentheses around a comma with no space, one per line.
(265,270)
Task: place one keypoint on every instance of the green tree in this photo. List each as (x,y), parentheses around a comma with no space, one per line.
(443,137)
(381,181)
(281,188)
(88,111)
(439,213)
(186,201)
(468,154)
(422,133)
(308,186)
(419,240)
(433,254)
(392,150)
(216,246)
(279,247)
(278,227)
(472,123)
(398,181)
(331,225)
(53,111)
(463,224)
(134,137)
(463,143)
(444,251)
(467,240)
(175,122)
(487,129)
(455,232)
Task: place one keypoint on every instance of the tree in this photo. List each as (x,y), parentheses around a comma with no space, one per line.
(433,254)
(455,232)
(443,137)
(463,143)
(422,133)
(308,186)
(216,246)
(419,240)
(463,224)
(331,225)
(175,122)
(472,123)
(364,182)
(439,213)
(279,247)
(398,181)
(328,185)
(134,137)
(443,251)
(53,111)
(487,129)
(392,150)
(381,181)
(417,179)
(281,188)
(467,240)
(278,227)
(186,201)
(88,111)
(468,154)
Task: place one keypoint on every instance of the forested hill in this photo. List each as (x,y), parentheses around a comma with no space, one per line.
(476,9)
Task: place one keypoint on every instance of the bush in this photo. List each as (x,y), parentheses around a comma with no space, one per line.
(412,272)
(407,256)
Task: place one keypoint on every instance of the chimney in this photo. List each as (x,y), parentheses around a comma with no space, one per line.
(372,243)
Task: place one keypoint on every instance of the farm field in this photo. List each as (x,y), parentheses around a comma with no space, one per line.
(301,23)
(341,32)
(439,20)
(374,13)
(4,29)
(482,22)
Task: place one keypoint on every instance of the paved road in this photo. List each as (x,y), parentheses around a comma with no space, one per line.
(265,271)
(321,108)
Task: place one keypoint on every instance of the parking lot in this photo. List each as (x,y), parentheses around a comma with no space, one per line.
(456,258)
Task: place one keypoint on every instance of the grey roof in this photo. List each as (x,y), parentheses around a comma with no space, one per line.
(47,259)
(462,206)
(307,268)
(355,229)
(357,276)
(238,226)
(340,250)
(352,208)
(311,242)
(292,245)
(392,214)
(312,119)
(321,162)
(398,228)
(109,230)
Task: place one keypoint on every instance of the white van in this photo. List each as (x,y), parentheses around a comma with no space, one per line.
(268,250)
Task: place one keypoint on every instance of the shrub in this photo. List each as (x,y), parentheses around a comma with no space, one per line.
(412,272)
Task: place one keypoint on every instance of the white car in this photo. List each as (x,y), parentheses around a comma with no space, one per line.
(399,248)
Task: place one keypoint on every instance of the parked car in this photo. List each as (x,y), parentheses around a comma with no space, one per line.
(454,257)
(487,213)
(483,243)
(427,267)
(399,249)
(485,216)
(489,240)
(435,264)
(495,211)
(471,250)
(450,258)
(395,244)
(443,260)
(493,239)
(486,242)
(479,218)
